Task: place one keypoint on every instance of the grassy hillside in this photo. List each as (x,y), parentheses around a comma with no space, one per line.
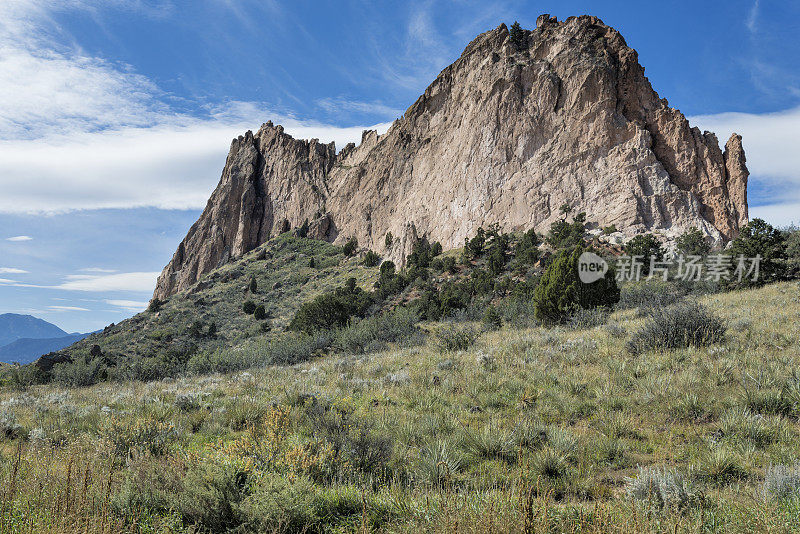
(210,315)
(526,429)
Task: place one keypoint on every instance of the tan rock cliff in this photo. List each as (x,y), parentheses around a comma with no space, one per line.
(506,134)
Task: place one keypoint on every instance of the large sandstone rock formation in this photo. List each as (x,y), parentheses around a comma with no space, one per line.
(506,134)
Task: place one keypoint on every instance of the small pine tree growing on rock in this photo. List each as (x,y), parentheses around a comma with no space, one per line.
(371,259)
(350,247)
(560,291)
(155,305)
(303,230)
(517,35)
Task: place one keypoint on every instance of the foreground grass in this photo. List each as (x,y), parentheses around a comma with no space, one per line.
(527,430)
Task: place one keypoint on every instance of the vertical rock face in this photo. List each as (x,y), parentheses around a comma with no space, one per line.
(506,134)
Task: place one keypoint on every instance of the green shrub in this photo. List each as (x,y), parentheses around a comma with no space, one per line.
(350,247)
(693,243)
(645,246)
(81,372)
(260,312)
(331,310)
(793,252)
(369,334)
(253,286)
(473,248)
(388,240)
(527,249)
(681,325)
(155,305)
(353,440)
(277,504)
(648,295)
(588,318)
(210,498)
(452,337)
(560,292)
(758,238)
(249,307)
(144,435)
(371,259)
(610,229)
(303,230)
(781,481)
(517,35)
(492,319)
(421,254)
(567,235)
(662,487)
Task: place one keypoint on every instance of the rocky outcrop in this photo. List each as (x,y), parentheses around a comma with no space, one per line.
(506,134)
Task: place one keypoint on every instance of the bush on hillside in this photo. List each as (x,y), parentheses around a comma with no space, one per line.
(693,243)
(527,249)
(649,295)
(645,246)
(758,238)
(453,337)
(332,310)
(567,235)
(492,319)
(371,259)
(249,307)
(422,253)
(371,333)
(793,252)
(560,292)
(350,247)
(685,324)
(473,248)
(155,305)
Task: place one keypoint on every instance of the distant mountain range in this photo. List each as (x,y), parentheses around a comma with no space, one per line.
(23,338)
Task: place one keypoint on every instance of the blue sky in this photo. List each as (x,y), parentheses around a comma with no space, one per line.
(116,116)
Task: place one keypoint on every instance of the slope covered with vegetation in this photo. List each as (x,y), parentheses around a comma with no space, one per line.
(521,429)
(474,390)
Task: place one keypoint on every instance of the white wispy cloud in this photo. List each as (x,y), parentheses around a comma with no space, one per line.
(68,308)
(752,17)
(97,270)
(11,270)
(132,282)
(770,144)
(169,167)
(128,305)
(18,238)
(80,132)
(340,104)
(112,282)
